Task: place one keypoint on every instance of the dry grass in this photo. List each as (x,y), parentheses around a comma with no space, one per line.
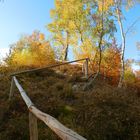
(105,113)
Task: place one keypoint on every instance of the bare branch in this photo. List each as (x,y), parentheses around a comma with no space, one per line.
(131,26)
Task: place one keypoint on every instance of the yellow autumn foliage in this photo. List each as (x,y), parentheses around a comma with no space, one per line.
(104,5)
(86,50)
(31,50)
(41,36)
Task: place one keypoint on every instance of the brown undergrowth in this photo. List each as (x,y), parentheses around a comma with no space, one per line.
(103,113)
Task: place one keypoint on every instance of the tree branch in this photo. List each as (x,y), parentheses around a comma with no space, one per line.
(131,26)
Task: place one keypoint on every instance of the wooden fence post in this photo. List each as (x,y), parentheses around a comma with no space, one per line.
(33,126)
(86,68)
(12,88)
(34,114)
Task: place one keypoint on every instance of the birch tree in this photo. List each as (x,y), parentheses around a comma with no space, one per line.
(68,24)
(118,6)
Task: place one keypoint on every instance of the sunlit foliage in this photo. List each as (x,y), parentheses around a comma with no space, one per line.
(111,63)
(110,66)
(129,75)
(68,24)
(86,50)
(32,50)
(104,4)
(82,26)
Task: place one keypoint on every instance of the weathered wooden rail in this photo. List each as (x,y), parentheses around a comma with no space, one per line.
(85,67)
(34,113)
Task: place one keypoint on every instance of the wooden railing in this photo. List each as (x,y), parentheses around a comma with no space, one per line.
(34,113)
(85,67)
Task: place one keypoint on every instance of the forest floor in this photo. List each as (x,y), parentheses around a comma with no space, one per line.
(102,113)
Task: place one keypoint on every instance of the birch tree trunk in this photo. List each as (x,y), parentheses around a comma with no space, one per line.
(122,69)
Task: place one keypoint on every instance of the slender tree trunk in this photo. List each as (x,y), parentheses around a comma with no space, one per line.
(67,46)
(66,52)
(88,85)
(122,69)
(101,39)
(100,54)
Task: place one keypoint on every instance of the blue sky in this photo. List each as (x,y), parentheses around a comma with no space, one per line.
(19,17)
(22,17)
(134,36)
